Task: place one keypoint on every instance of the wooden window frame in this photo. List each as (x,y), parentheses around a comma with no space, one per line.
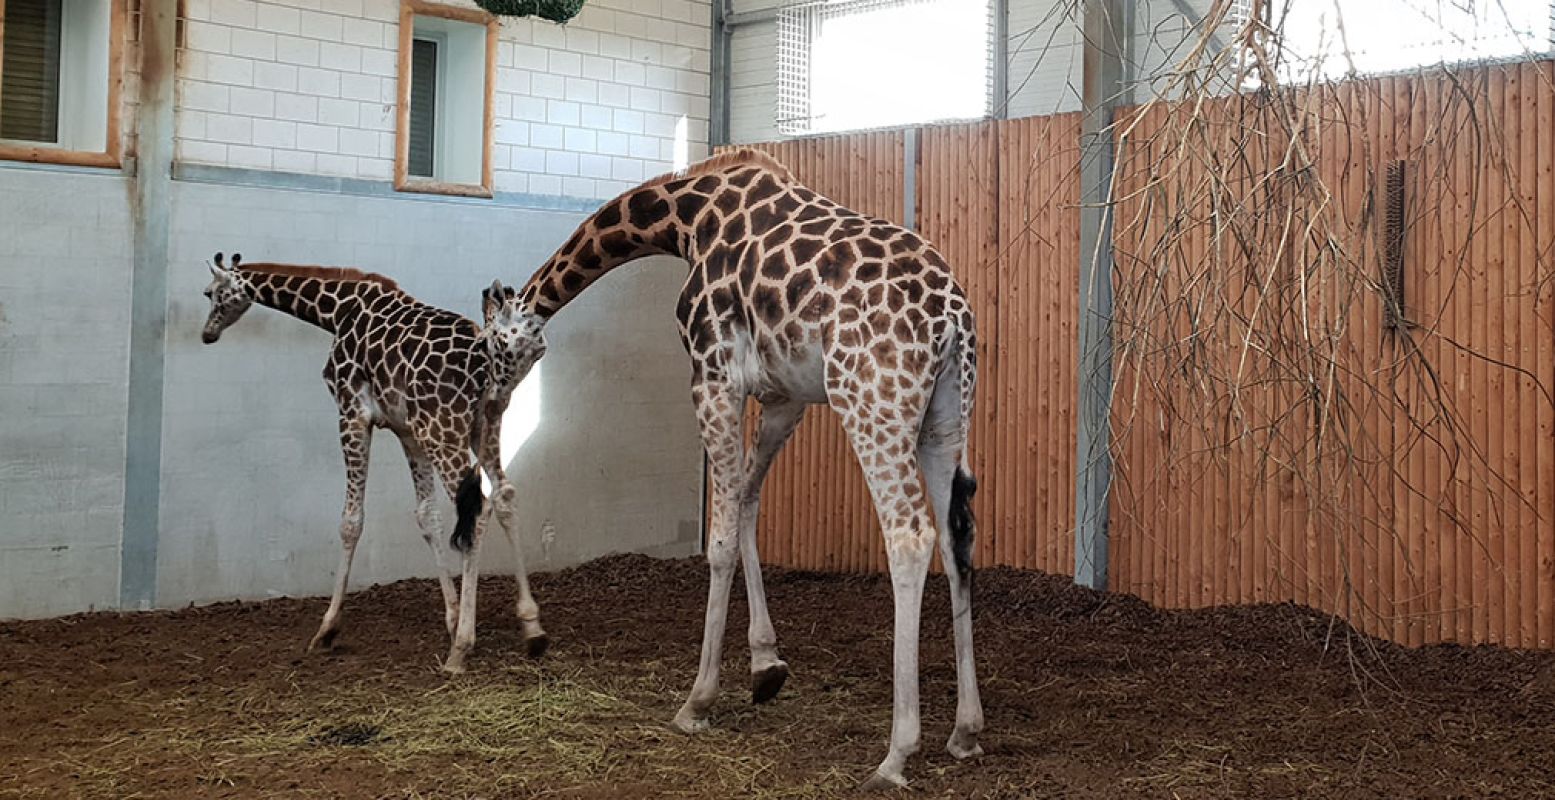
(109,157)
(403,182)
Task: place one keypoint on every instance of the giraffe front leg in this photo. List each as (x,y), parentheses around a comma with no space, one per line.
(768,671)
(503,497)
(719,416)
(355,442)
(535,640)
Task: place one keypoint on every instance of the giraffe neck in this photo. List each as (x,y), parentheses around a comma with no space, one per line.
(327,298)
(655,219)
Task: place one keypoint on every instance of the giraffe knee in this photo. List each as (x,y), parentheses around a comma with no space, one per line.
(722,552)
(914,543)
(428,519)
(351,527)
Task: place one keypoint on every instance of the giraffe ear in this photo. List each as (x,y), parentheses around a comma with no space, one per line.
(491,298)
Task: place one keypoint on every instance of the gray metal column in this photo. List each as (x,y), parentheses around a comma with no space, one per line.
(718,124)
(1106,28)
(910,179)
(151,207)
(1000,89)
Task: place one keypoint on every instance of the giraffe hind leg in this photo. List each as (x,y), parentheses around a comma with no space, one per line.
(942,452)
(884,433)
(431,523)
(461,482)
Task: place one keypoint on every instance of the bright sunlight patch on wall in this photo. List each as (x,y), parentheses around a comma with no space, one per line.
(682,144)
(878,63)
(520,420)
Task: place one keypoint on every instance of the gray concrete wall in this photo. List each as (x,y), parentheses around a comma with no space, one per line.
(251,478)
(64,321)
(252,474)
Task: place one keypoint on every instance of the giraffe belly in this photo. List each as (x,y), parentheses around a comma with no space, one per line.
(385,409)
(770,374)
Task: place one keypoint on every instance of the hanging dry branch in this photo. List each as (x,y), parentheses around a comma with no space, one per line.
(1280,432)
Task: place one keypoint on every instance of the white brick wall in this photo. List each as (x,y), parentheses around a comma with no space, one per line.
(310,86)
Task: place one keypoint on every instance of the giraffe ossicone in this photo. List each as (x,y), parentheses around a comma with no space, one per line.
(427,375)
(795,301)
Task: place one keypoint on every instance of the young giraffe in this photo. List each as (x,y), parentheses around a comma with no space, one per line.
(795,300)
(423,373)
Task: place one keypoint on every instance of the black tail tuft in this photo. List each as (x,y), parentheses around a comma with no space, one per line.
(962,525)
(468,505)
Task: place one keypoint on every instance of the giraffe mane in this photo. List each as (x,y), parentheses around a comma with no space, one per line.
(327,273)
(737,157)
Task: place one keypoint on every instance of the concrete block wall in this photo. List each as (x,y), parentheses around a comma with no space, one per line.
(753,86)
(309,86)
(64,320)
(1044,47)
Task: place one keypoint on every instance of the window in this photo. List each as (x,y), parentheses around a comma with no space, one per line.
(1324,40)
(875,63)
(58,87)
(447,68)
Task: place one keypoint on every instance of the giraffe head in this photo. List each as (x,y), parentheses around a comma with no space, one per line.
(230,296)
(514,337)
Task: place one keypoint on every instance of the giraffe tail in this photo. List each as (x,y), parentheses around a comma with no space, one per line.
(963,527)
(467,503)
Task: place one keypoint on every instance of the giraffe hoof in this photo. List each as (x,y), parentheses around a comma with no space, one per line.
(687,724)
(454,664)
(535,646)
(963,746)
(880,782)
(767,682)
(324,640)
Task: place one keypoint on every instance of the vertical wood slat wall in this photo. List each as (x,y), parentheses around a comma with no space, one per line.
(1417,500)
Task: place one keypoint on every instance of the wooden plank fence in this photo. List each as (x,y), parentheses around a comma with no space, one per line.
(1283,428)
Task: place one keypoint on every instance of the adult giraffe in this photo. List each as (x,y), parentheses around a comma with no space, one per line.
(796,300)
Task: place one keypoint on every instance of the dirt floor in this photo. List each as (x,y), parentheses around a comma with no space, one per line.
(1087,696)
